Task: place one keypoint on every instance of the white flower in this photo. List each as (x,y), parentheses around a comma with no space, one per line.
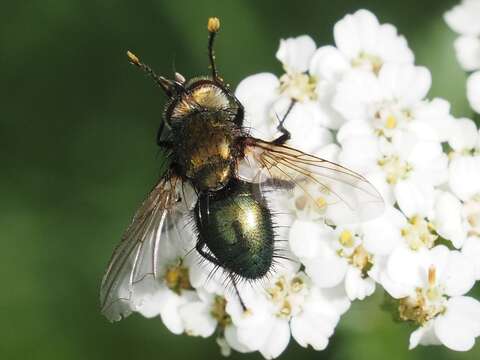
(404,169)
(448,218)
(199,316)
(333,257)
(388,102)
(473,91)
(467,49)
(367,87)
(367,44)
(289,305)
(165,298)
(266,99)
(471,249)
(463,18)
(431,285)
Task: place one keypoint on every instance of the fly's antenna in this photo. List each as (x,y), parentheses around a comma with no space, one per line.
(213,27)
(169,86)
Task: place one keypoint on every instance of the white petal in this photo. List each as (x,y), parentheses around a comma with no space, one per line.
(459,276)
(327,269)
(448,218)
(328,63)
(336,297)
(356,286)
(356,129)
(392,47)
(405,83)
(473,91)
(460,325)
(424,335)
(296,53)
(305,237)
(231,338)
(464,176)
(395,289)
(278,339)
(316,323)
(197,319)
(355,92)
(429,162)
(257,93)
(306,128)
(463,18)
(382,235)
(414,197)
(170,312)
(407,267)
(464,135)
(467,49)
(360,153)
(436,113)
(148,297)
(305,333)
(471,248)
(354,32)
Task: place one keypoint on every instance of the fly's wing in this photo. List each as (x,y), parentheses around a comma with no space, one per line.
(134,261)
(340,194)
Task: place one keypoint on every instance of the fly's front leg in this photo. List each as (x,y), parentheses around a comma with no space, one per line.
(162,142)
(282,139)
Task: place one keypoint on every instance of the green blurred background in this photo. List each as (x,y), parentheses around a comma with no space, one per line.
(78,155)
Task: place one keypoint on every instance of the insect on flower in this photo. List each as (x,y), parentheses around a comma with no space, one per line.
(226,174)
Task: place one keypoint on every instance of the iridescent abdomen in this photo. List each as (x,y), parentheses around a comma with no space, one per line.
(236,225)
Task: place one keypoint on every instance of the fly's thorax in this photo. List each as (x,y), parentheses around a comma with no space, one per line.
(236,225)
(204,150)
(202,95)
(204,120)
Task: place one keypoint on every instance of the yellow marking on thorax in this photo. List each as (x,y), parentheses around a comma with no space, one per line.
(204,97)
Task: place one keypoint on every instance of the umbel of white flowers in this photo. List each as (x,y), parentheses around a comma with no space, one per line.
(360,102)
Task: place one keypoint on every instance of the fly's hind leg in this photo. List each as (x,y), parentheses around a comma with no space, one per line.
(282,139)
(199,247)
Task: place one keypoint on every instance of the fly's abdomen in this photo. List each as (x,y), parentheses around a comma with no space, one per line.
(236,225)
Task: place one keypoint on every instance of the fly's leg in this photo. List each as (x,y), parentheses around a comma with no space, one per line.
(282,139)
(161,142)
(213,260)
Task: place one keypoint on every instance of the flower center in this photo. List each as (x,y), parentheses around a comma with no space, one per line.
(388,117)
(309,201)
(395,168)
(176,278)
(471,210)
(219,313)
(353,251)
(298,86)
(419,233)
(368,62)
(427,302)
(287,295)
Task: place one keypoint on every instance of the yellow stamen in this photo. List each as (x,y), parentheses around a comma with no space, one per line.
(390,122)
(346,238)
(431,276)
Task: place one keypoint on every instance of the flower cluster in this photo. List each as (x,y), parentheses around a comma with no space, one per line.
(361,103)
(463,19)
